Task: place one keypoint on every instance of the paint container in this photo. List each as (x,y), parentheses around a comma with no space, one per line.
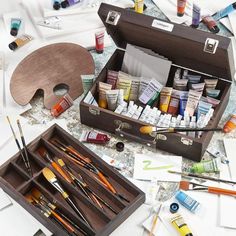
(211,24)
(230,125)
(179,224)
(53,22)
(112,96)
(174,207)
(186,119)
(89,99)
(152,116)
(178,120)
(134,90)
(145,113)
(180,84)
(173,122)
(210,83)
(196,16)
(137,113)
(161,119)
(214,93)
(68,3)
(94,137)
(15,26)
(174,103)
(188,202)
(213,101)
(225,12)
(143,84)
(183,102)
(131,111)
(157,118)
(121,107)
(181,4)
(87,81)
(112,77)
(203,108)
(120,99)
(192,102)
(210,166)
(138,6)
(56,4)
(102,87)
(20,41)
(198,87)
(166,121)
(165,98)
(99,39)
(151,92)
(64,103)
(120,147)
(124,82)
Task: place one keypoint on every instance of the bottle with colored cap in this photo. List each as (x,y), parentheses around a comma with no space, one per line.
(178,222)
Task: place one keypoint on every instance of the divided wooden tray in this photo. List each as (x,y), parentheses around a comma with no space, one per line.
(15,180)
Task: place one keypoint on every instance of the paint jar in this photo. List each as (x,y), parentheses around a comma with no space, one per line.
(138,6)
(210,166)
(15,26)
(65,103)
(196,16)
(211,24)
(188,202)
(99,38)
(20,41)
(230,125)
(179,224)
(68,3)
(181,4)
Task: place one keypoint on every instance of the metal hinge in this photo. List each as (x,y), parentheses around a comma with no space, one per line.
(113,17)
(94,111)
(186,141)
(211,45)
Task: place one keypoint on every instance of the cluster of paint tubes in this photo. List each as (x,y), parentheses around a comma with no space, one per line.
(177,106)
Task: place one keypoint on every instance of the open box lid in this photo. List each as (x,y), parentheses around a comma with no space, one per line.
(184,46)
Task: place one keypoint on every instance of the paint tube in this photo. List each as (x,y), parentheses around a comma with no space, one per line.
(177,74)
(99,40)
(112,96)
(138,6)
(192,102)
(121,107)
(64,103)
(174,103)
(196,16)
(102,101)
(124,82)
(120,98)
(161,120)
(178,120)
(208,117)
(173,122)
(165,98)
(15,26)
(152,116)
(193,79)
(166,121)
(146,110)
(180,84)
(211,24)
(192,125)
(198,87)
(210,166)
(181,4)
(185,74)
(53,22)
(89,99)
(131,111)
(182,125)
(137,113)
(213,101)
(179,224)
(225,12)
(143,84)
(87,81)
(214,93)
(68,3)
(183,102)
(112,77)
(94,137)
(158,115)
(230,125)
(20,41)
(151,91)
(134,90)
(210,83)
(186,119)
(203,108)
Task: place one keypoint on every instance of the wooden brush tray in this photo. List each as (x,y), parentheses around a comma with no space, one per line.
(15,180)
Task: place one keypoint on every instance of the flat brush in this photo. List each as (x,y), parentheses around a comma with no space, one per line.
(186,185)
(159,130)
(49,175)
(197,176)
(26,162)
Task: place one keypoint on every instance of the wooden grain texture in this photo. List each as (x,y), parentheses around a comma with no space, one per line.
(47,67)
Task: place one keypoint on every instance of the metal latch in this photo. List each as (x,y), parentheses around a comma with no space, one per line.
(113,17)
(186,141)
(94,111)
(211,45)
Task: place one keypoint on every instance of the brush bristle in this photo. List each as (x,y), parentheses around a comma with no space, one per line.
(61,162)
(48,174)
(184,185)
(146,129)
(36,193)
(29,198)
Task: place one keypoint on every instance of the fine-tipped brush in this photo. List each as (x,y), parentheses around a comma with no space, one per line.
(49,175)
(41,198)
(25,160)
(186,185)
(160,130)
(204,177)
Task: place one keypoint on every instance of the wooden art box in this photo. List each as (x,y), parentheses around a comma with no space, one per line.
(15,180)
(202,53)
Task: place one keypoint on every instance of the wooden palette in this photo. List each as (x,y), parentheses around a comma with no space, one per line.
(59,64)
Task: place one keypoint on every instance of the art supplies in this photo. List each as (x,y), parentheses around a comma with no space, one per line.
(65,103)
(181,4)
(209,166)
(211,24)
(99,38)
(196,15)
(155,219)
(179,224)
(230,125)
(94,137)
(20,42)
(15,26)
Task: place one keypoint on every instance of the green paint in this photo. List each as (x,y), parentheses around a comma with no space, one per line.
(147,166)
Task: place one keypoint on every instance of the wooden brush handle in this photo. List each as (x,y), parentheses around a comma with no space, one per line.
(61,172)
(221,191)
(105,181)
(74,152)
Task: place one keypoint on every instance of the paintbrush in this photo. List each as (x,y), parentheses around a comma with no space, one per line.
(38,195)
(186,185)
(49,175)
(160,130)
(155,221)
(197,176)
(26,162)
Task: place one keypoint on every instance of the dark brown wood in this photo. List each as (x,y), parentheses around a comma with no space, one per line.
(59,64)
(15,180)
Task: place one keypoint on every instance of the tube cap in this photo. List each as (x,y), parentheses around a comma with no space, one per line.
(174,207)
(56,5)
(120,147)
(64,4)
(13,46)
(14,31)
(215,29)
